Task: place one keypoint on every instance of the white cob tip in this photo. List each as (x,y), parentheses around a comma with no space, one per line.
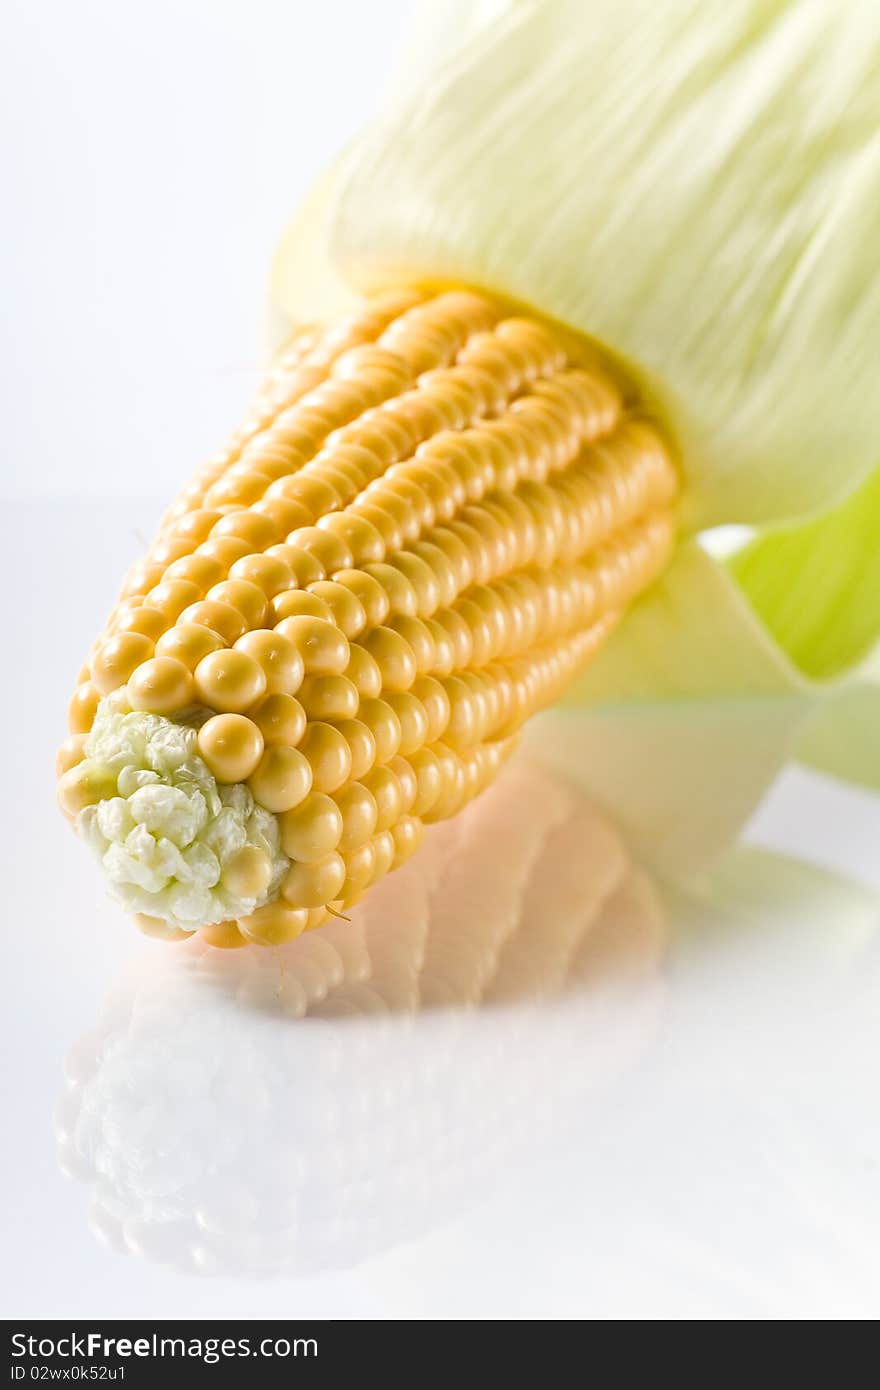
(173,843)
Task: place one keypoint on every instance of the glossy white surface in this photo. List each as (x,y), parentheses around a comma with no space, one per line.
(459,1105)
(466,1102)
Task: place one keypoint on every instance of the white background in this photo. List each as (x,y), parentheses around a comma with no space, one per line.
(152,156)
(730,1164)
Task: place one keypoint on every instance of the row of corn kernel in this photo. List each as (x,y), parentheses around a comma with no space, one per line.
(442,402)
(451,707)
(332,732)
(314,824)
(327,387)
(279,466)
(451,468)
(298,369)
(294,499)
(609,487)
(234,683)
(606,487)
(293,436)
(233,607)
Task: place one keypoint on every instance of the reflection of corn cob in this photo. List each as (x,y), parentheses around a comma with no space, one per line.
(428,525)
(407,1091)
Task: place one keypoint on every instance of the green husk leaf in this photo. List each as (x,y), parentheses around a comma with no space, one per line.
(817,586)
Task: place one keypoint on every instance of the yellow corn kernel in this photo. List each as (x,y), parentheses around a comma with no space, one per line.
(161,685)
(316,883)
(71,752)
(280,718)
(361,744)
(228,680)
(278,657)
(118,658)
(248,873)
(281,779)
(232,746)
(226,935)
(358,813)
(274,924)
(313,829)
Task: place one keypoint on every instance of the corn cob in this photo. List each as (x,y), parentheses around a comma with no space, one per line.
(433,517)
